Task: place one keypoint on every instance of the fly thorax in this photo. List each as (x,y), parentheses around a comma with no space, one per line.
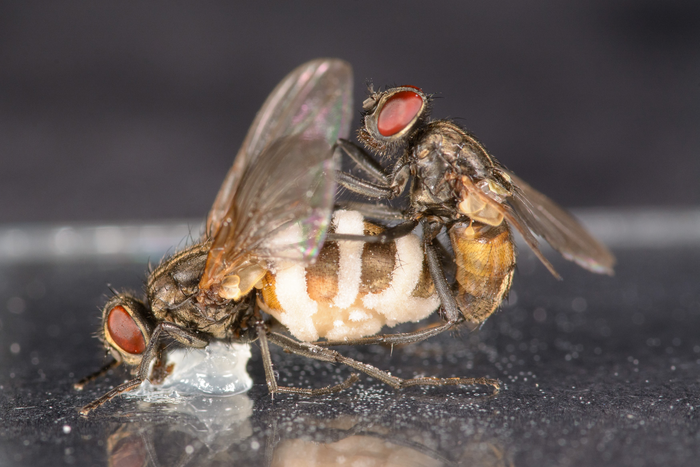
(175,282)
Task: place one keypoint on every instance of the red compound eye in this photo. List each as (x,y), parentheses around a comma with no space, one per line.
(124,331)
(398,111)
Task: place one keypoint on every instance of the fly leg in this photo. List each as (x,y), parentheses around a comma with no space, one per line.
(362,187)
(364,161)
(164,329)
(392,339)
(380,212)
(99,373)
(329,355)
(272,385)
(389,235)
(384,186)
(450,311)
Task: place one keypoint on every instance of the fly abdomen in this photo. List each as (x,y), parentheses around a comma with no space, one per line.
(485,259)
(354,288)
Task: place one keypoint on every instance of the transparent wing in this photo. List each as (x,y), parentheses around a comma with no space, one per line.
(281,209)
(564,233)
(532,213)
(277,199)
(315,100)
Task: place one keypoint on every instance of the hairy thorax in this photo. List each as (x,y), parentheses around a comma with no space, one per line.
(172,291)
(444,153)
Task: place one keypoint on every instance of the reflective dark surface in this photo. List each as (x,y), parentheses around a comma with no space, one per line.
(596,371)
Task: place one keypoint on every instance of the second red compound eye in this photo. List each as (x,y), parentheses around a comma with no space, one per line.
(398,111)
(124,331)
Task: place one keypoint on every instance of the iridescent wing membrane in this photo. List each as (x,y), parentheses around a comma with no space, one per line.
(277,198)
(533,214)
(564,233)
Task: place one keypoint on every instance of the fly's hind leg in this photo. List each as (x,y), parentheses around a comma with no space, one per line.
(271,379)
(328,355)
(392,339)
(450,311)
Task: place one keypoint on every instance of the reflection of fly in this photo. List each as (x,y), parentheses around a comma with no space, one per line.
(267,225)
(458,185)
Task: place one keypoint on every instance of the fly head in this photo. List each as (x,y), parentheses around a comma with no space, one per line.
(390,118)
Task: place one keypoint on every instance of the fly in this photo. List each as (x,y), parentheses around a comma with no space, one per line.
(458,187)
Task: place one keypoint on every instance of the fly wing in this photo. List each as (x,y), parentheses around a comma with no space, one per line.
(281,209)
(533,214)
(315,100)
(277,199)
(564,233)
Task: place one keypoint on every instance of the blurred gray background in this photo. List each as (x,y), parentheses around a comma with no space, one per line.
(134,110)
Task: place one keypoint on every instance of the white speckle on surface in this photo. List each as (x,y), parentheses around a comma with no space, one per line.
(67,429)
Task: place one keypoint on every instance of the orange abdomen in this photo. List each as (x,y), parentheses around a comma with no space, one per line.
(485,258)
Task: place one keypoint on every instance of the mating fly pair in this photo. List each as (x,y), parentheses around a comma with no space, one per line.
(269,246)
(274,243)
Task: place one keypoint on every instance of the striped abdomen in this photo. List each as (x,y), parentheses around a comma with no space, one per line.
(354,288)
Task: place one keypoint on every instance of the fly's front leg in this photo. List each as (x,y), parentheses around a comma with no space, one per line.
(99,373)
(383,186)
(271,379)
(329,355)
(364,161)
(362,187)
(183,336)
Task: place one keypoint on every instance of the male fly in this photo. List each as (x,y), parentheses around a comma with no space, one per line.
(264,250)
(456,185)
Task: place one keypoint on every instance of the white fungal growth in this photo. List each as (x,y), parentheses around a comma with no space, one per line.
(350,262)
(397,303)
(298,307)
(349,314)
